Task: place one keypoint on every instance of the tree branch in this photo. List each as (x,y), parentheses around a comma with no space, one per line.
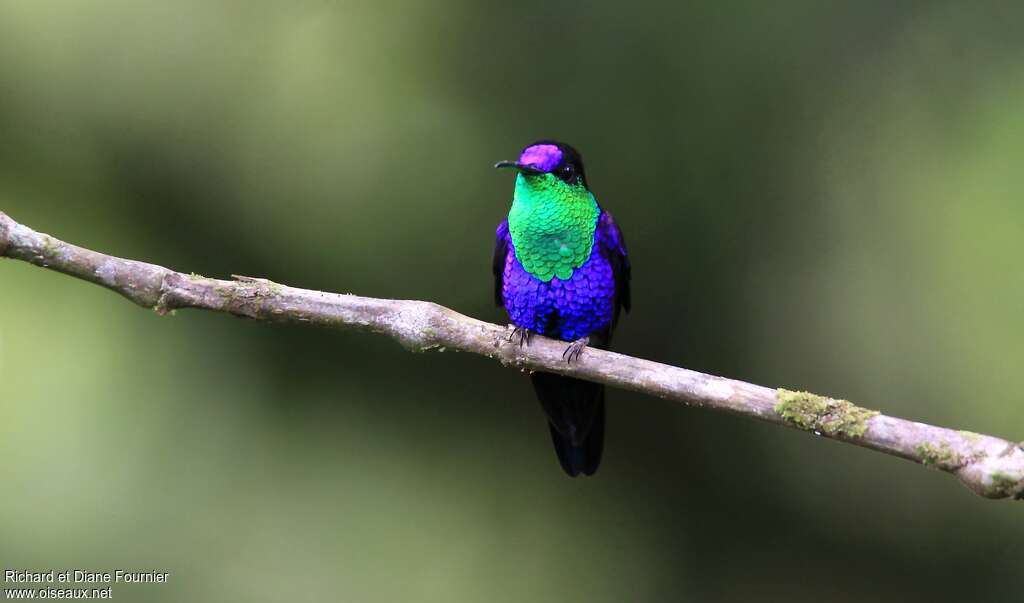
(990,466)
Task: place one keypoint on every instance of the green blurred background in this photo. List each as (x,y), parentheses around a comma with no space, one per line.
(824,196)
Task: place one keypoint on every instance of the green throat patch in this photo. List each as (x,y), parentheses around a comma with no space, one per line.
(552,225)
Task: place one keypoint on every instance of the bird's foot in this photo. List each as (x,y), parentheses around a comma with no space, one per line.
(522,335)
(575,349)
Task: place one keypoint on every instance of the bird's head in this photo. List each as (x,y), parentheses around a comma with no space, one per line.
(553,216)
(549,164)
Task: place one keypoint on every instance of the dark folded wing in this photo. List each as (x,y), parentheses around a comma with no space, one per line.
(612,245)
(498,261)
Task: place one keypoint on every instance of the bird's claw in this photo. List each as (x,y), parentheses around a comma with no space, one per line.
(522,334)
(575,350)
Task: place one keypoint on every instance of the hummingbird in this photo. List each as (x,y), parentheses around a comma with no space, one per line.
(561,269)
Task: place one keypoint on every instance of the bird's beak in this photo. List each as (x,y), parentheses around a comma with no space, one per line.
(522,168)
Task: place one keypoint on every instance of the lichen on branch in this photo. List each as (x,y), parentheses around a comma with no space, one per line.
(819,414)
(990,466)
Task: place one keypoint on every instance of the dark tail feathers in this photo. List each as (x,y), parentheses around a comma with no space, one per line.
(575,411)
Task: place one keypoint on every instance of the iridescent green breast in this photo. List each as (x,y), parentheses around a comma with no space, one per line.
(552,225)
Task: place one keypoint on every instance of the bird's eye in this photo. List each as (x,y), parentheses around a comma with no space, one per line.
(567,172)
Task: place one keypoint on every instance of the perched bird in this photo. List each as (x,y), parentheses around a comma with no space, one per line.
(561,270)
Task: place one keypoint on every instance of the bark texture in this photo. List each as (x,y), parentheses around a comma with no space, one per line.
(990,466)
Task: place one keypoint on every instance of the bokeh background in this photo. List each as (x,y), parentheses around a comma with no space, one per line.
(823,196)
